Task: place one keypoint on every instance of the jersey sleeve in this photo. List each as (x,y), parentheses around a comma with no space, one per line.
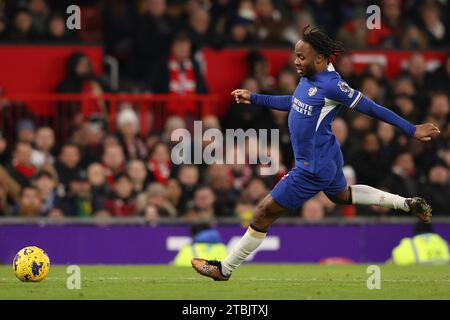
(338,90)
(274,102)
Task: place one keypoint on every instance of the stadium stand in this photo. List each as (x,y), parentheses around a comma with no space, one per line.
(69,134)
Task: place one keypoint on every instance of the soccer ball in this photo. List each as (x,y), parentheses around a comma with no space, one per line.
(31,264)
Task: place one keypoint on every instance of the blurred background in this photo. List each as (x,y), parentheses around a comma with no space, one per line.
(86,116)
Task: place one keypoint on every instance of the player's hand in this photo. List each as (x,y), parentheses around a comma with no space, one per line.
(424,132)
(241,96)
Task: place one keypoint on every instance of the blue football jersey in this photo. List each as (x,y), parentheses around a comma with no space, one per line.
(314,105)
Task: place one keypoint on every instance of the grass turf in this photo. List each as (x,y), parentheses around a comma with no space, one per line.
(250,281)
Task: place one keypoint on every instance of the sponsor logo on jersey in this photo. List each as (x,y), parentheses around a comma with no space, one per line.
(302,108)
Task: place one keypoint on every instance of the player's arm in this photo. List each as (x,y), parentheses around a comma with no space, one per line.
(273,102)
(342,93)
(422,132)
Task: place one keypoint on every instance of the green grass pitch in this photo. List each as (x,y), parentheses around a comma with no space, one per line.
(250,281)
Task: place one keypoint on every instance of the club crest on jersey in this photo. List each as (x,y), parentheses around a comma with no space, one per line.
(312,91)
(345,88)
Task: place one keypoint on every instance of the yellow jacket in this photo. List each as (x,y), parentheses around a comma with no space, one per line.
(427,248)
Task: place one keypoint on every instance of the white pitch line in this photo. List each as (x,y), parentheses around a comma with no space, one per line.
(241,279)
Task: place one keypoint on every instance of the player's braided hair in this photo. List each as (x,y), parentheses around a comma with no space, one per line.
(322,43)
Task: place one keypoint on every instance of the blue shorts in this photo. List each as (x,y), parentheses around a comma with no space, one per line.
(299,185)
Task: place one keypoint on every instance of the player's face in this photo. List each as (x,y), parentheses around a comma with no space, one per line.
(305,59)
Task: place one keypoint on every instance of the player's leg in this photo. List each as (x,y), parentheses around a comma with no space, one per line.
(339,192)
(266,213)
(369,196)
(290,192)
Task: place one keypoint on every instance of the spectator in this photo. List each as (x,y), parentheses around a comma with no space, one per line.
(174,194)
(172,123)
(113,161)
(377,71)
(388,35)
(128,125)
(68,165)
(402,178)
(157,195)
(152,35)
(240,33)
(252,116)
(121,203)
(312,211)
(204,204)
(369,160)
(151,214)
(30,203)
(353,33)
(137,171)
(260,70)
(439,109)
(219,179)
(404,106)
(26,131)
(440,78)
(294,32)
(20,168)
(118,22)
(91,136)
(44,142)
(199,29)
(386,136)
(96,176)
(371,89)
(269,23)
(40,13)
(46,184)
(159,164)
(413,39)
(417,71)
(437,190)
(81,78)
(345,67)
(244,210)
(435,29)
(280,119)
(57,31)
(79,201)
(189,178)
(274,171)
(22,27)
(340,131)
(255,191)
(241,173)
(180,75)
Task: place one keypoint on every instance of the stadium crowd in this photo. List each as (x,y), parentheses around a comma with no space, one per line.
(100,172)
(139,32)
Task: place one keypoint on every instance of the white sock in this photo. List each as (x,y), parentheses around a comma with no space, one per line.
(362,194)
(248,243)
